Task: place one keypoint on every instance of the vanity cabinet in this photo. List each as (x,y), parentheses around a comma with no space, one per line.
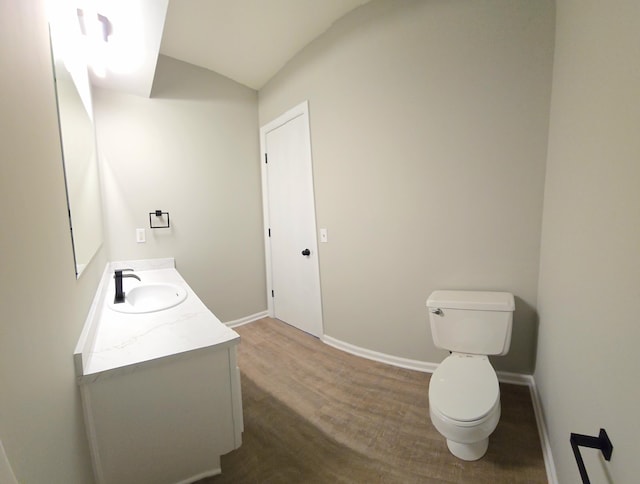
(165,422)
(160,392)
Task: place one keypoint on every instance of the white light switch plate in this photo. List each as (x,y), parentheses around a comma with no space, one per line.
(140,236)
(323,235)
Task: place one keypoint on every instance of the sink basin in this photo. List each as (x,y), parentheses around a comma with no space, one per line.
(149,298)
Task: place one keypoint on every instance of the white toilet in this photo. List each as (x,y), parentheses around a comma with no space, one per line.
(464,396)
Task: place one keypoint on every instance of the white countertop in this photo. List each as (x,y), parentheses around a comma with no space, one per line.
(114,341)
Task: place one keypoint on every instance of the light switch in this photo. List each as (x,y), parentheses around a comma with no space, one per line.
(140,236)
(323,235)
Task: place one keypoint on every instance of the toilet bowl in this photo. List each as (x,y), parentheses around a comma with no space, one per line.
(464,395)
(464,403)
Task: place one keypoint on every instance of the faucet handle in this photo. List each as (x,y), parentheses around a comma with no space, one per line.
(120,271)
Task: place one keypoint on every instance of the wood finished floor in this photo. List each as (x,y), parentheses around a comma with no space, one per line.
(314,414)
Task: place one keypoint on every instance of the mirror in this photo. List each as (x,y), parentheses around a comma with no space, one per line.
(79,151)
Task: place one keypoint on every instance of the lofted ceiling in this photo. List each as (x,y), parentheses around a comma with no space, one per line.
(130,53)
(246,40)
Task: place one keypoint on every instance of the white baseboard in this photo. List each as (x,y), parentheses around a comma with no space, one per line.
(549,463)
(528,380)
(202,475)
(6,472)
(247,319)
(428,367)
(380,357)
(514,378)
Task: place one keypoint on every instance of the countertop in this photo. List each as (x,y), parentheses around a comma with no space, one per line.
(113,341)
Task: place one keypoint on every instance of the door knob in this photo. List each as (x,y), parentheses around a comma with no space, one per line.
(306,252)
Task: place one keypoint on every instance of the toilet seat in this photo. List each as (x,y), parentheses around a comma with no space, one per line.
(460,425)
(464,388)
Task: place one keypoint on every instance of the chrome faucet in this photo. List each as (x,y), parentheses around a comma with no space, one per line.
(118,275)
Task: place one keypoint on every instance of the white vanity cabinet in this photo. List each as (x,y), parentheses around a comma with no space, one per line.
(165,422)
(160,391)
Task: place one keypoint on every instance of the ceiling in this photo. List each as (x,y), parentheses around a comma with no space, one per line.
(248,41)
(129,56)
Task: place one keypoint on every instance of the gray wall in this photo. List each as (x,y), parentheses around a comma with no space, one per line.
(192,150)
(587,371)
(42,306)
(429,131)
(460,90)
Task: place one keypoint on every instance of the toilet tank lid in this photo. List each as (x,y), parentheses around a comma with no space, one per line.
(476,300)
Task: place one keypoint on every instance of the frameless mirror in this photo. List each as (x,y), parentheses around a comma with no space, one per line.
(79,152)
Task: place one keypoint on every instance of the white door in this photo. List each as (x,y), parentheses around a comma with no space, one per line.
(293,276)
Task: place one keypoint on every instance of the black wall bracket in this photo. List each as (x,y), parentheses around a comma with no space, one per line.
(159,215)
(601,442)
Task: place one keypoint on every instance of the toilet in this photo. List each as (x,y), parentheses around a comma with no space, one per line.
(464,395)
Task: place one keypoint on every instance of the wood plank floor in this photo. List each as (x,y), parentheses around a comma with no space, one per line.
(314,414)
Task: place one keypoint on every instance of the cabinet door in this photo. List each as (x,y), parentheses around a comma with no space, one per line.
(165,421)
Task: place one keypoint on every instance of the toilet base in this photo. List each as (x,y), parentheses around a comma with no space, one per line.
(473,451)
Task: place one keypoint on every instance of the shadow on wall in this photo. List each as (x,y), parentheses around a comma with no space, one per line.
(524,338)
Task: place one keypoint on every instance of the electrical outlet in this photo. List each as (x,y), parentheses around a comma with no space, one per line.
(140,236)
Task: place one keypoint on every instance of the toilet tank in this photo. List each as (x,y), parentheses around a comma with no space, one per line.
(473,322)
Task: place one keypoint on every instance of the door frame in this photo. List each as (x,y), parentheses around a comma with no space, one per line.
(301,109)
